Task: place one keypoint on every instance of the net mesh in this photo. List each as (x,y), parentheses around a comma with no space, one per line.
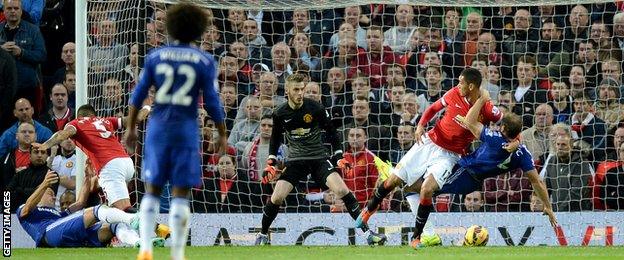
(576,50)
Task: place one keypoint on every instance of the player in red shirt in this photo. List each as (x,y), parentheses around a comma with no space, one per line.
(429,162)
(96,137)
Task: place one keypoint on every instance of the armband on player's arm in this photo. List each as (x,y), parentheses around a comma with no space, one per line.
(430,112)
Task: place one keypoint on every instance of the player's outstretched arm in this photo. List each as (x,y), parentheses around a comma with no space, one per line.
(542,194)
(429,113)
(56,138)
(471,121)
(32,201)
(130,137)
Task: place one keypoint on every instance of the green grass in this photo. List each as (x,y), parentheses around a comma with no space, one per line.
(334,252)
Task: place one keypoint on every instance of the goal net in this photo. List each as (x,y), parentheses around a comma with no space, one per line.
(376,66)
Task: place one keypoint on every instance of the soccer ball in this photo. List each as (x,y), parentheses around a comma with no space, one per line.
(476,236)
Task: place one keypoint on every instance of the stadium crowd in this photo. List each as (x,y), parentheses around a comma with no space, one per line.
(375,68)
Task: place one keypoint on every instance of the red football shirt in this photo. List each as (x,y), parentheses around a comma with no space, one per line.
(96,137)
(361,176)
(451,135)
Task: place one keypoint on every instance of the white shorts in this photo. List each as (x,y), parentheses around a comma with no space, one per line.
(425,159)
(114,178)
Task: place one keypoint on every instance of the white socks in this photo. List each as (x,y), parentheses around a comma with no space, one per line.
(126,234)
(149,208)
(179,215)
(112,215)
(413,200)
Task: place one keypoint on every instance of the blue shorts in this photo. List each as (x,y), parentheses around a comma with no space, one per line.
(181,166)
(70,232)
(460,181)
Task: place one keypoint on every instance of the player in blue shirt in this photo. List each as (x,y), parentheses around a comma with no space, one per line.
(172,154)
(75,227)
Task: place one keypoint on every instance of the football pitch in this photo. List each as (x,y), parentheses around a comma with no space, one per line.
(333,252)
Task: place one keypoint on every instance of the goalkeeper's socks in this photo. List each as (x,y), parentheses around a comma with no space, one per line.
(268,215)
(424,209)
(178,221)
(112,215)
(147,213)
(378,196)
(125,233)
(353,207)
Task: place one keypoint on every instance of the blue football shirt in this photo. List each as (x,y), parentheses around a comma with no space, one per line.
(38,219)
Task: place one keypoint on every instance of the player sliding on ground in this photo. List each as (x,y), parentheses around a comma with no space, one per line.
(75,227)
(179,72)
(491,159)
(303,120)
(435,154)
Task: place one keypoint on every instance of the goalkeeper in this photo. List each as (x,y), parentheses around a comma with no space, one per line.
(303,120)
(489,160)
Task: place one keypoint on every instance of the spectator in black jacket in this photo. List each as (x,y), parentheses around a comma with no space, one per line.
(25,183)
(18,159)
(60,114)
(8,85)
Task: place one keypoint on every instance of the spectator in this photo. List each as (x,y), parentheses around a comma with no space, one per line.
(33,10)
(588,127)
(584,57)
(229,74)
(618,30)
(132,69)
(253,158)
(611,164)
(340,97)
(393,117)
(281,56)
(352,16)
(24,42)
(312,90)
(398,36)
(210,148)
(241,52)
(18,159)
(210,41)
(527,95)
(64,164)
(464,49)
(25,183)
(473,202)
(23,112)
(546,14)
(256,43)
(556,130)
(506,99)
(107,55)
(405,139)
(550,43)
(561,102)
(246,129)
(608,106)
(346,58)
(494,78)
(113,100)
(536,203)
(301,24)
(618,139)
(379,137)
(606,48)
(536,137)
(480,63)
(523,40)
(509,192)
(230,104)
(613,191)
(577,29)
(68,56)
(304,52)
(357,167)
(452,30)
(411,109)
(374,62)
(579,84)
(612,69)
(60,114)
(69,81)
(8,85)
(567,178)
(266,94)
(487,45)
(233,28)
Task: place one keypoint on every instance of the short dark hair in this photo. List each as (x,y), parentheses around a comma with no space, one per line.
(513,125)
(472,75)
(186,22)
(86,110)
(266,116)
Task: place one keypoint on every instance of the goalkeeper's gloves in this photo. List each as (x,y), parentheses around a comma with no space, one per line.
(336,157)
(270,171)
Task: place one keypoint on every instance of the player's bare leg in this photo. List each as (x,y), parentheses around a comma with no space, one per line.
(150,205)
(381,191)
(179,215)
(428,187)
(281,190)
(336,184)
